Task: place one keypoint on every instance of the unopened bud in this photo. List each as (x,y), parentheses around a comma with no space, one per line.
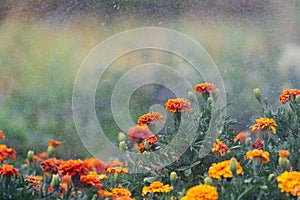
(284,163)
(30,155)
(257,94)
(208,181)
(47,178)
(121,136)
(209,100)
(55,181)
(50,151)
(122,145)
(271,177)
(248,141)
(173,177)
(233,165)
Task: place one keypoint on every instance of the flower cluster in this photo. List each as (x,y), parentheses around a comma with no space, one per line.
(156,187)
(118,193)
(287,95)
(220,147)
(8,170)
(264,124)
(289,182)
(149,118)
(178,105)
(91,180)
(204,192)
(6,152)
(222,170)
(205,88)
(71,167)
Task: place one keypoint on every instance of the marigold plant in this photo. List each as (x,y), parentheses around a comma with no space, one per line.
(287,95)
(264,156)
(201,192)
(178,105)
(264,124)
(222,170)
(205,88)
(156,187)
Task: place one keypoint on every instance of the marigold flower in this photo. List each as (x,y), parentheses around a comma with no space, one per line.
(289,182)
(205,88)
(287,95)
(91,180)
(258,144)
(99,166)
(121,191)
(220,147)
(222,169)
(33,179)
(51,165)
(138,133)
(264,124)
(203,192)
(178,105)
(151,140)
(6,152)
(241,136)
(54,143)
(115,167)
(8,170)
(283,153)
(156,187)
(149,118)
(262,155)
(2,136)
(118,193)
(71,167)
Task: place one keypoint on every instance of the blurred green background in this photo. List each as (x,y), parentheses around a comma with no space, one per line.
(42,44)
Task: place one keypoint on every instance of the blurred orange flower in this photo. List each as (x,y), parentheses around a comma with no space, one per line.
(2,136)
(138,133)
(220,147)
(222,170)
(54,143)
(71,167)
(118,193)
(156,187)
(264,124)
(151,140)
(262,155)
(241,136)
(149,118)
(98,164)
(287,95)
(6,152)
(8,170)
(203,192)
(178,105)
(283,153)
(205,88)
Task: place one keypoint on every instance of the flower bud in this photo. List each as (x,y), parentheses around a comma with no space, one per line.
(173,177)
(30,155)
(271,177)
(191,95)
(50,151)
(47,178)
(233,165)
(257,94)
(55,181)
(209,100)
(122,145)
(121,136)
(284,163)
(248,141)
(208,181)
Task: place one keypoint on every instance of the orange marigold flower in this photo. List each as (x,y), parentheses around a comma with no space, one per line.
(138,133)
(222,170)
(178,105)
(54,143)
(263,155)
(2,136)
(283,153)
(8,170)
(6,152)
(205,88)
(220,147)
(287,95)
(241,136)
(264,124)
(51,165)
(71,167)
(156,187)
(149,118)
(121,191)
(91,180)
(203,192)
(33,179)
(289,182)
(105,193)
(99,166)
(118,193)
(115,167)
(151,140)
(258,144)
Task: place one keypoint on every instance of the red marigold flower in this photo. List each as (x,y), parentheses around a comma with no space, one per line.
(178,105)
(205,88)
(2,136)
(220,147)
(71,167)
(287,95)
(258,144)
(8,170)
(6,152)
(149,118)
(151,140)
(54,143)
(138,133)
(51,165)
